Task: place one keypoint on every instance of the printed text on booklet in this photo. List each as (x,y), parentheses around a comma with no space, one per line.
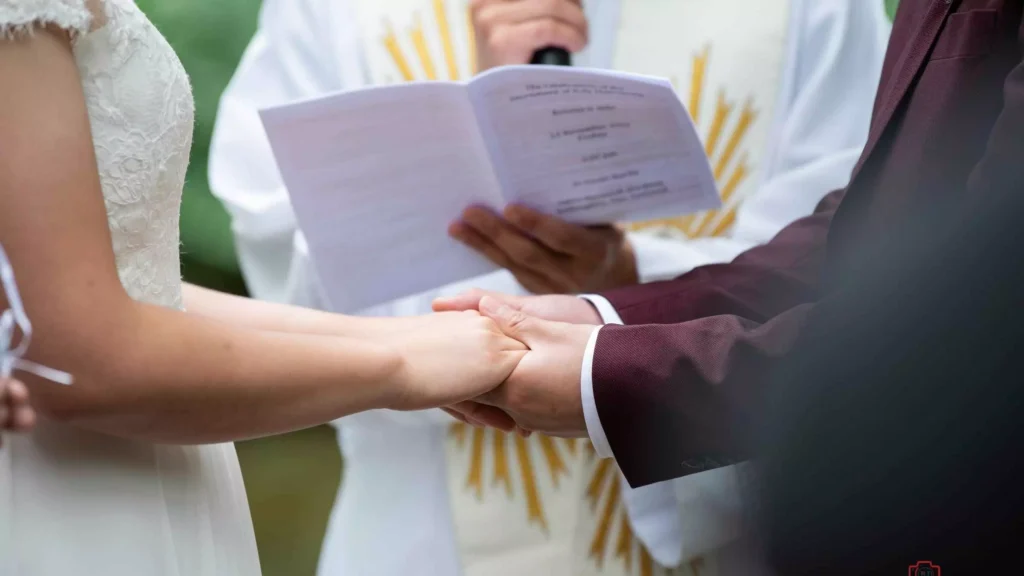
(376,175)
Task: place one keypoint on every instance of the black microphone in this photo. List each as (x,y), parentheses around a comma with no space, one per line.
(552,56)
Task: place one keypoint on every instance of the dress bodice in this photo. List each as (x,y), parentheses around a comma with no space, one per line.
(141,109)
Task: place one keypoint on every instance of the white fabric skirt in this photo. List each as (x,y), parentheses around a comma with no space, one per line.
(75,502)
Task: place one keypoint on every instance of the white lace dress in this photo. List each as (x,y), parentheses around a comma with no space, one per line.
(78,503)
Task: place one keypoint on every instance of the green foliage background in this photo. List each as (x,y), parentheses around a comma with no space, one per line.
(890,8)
(209,38)
(290,480)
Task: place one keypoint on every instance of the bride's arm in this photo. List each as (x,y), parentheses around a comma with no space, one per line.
(269,316)
(256,314)
(146,372)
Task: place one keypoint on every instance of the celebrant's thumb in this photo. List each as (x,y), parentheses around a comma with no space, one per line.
(511,319)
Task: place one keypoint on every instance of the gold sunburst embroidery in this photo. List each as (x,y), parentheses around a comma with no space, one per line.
(614,539)
(395,51)
(502,460)
(723,143)
(421,48)
(604,499)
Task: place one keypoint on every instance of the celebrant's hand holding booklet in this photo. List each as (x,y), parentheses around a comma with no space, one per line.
(376,175)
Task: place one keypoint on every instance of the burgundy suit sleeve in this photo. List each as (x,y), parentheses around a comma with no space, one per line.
(758,284)
(673,398)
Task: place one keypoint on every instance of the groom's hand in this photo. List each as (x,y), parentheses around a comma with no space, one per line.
(543,392)
(568,309)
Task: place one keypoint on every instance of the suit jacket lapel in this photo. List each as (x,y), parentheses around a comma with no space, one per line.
(907,69)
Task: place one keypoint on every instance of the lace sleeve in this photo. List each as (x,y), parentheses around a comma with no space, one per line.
(20,16)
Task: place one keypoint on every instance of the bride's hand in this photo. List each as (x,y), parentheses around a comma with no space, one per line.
(451,357)
(15,413)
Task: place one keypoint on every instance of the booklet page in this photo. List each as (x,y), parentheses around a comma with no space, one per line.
(592,147)
(375,177)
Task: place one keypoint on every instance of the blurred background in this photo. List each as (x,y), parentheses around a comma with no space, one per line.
(291,480)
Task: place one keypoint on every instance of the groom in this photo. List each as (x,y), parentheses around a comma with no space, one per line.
(669,377)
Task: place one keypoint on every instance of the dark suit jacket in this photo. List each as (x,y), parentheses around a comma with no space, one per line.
(679,387)
(917,413)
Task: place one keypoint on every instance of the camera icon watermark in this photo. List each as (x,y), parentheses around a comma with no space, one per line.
(924,568)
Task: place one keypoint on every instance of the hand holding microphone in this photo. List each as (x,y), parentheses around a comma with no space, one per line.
(528,31)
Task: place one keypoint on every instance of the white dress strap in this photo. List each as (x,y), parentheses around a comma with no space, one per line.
(22,16)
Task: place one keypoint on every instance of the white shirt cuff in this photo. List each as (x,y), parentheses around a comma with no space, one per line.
(604,308)
(594,428)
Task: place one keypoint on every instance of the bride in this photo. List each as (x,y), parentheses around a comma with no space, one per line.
(96,119)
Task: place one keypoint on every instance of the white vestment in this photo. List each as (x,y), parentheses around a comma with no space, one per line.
(792,81)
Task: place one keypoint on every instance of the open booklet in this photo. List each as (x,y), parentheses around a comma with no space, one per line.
(377,175)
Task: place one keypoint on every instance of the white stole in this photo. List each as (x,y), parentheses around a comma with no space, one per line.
(726,59)
(546,506)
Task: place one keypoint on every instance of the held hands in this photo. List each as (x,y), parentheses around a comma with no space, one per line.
(450,357)
(548,255)
(16,415)
(566,309)
(510,31)
(542,394)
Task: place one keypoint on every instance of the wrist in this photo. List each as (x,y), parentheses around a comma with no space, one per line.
(396,381)
(373,329)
